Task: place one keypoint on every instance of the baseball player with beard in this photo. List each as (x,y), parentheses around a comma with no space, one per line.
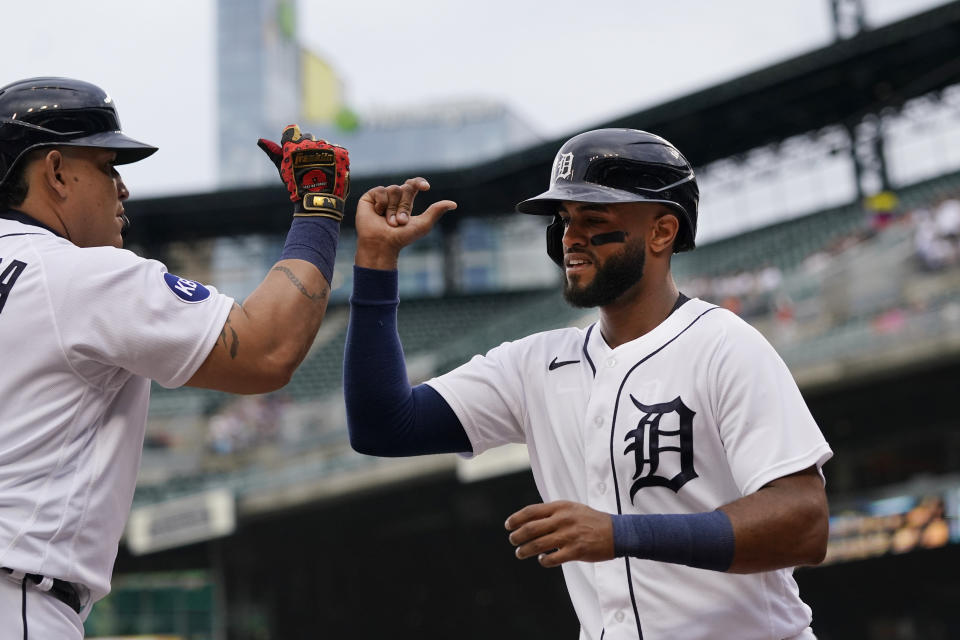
(678,463)
(85,326)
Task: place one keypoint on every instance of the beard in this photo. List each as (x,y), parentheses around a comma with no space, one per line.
(620,272)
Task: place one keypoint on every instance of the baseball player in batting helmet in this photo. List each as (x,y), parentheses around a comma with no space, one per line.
(85,326)
(677,461)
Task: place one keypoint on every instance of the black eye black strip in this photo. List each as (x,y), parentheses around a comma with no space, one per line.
(607,238)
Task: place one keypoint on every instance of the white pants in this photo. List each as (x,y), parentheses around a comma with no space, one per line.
(47,617)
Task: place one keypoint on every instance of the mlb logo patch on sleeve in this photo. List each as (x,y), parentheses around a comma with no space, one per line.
(186,290)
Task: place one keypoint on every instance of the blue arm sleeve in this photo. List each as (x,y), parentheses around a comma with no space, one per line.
(385,416)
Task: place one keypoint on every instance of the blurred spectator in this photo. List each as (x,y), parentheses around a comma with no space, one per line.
(748,293)
(769,278)
(246,422)
(731,303)
(890,321)
(157,439)
(785,317)
(883,210)
(948,220)
(937,235)
(816,262)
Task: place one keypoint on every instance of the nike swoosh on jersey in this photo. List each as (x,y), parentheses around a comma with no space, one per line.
(554,365)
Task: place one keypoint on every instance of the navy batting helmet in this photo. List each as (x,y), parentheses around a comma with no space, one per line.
(47,112)
(619,165)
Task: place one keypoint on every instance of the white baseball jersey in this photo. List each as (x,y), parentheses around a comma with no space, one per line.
(693,415)
(82,332)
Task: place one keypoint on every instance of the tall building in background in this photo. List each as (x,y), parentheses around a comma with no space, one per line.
(266,80)
(258,84)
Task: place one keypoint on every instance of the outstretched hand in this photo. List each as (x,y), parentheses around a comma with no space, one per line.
(558,532)
(386,224)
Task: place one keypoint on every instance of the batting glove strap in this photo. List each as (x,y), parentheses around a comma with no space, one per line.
(320,205)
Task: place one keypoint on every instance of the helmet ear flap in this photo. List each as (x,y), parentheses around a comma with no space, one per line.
(555,240)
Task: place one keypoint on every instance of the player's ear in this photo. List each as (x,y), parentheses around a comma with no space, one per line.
(664,231)
(52,163)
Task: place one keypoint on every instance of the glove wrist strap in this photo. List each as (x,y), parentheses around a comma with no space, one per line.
(320,204)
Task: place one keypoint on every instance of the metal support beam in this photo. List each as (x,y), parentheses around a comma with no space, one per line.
(867,154)
(849,18)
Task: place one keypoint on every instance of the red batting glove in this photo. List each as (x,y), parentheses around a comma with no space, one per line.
(317,173)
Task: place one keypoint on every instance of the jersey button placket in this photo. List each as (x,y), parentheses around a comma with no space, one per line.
(597,442)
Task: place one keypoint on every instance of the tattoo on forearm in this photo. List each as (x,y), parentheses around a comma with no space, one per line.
(313,297)
(234,338)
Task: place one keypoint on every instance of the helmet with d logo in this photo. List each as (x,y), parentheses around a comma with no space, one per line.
(619,165)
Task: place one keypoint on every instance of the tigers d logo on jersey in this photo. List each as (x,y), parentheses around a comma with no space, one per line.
(186,290)
(662,452)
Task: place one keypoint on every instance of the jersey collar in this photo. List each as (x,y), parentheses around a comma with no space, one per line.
(596,349)
(20,216)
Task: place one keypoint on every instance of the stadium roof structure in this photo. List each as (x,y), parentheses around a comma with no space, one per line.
(839,84)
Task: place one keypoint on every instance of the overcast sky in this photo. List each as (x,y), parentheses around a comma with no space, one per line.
(563,65)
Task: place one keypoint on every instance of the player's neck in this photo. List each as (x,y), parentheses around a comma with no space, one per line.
(638,311)
(43,211)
